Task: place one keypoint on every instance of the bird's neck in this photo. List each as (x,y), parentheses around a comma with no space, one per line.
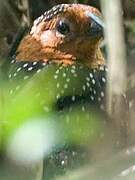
(31,50)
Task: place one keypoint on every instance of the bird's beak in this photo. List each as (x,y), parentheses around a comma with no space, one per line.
(97,25)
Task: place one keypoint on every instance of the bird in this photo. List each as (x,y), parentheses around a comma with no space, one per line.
(59,66)
(67,37)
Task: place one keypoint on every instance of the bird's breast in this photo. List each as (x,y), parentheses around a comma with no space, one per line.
(61,86)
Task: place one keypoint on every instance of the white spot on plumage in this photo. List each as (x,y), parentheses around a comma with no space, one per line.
(18,69)
(60,67)
(14,74)
(103,79)
(106,69)
(57,96)
(101,68)
(38,71)
(12,61)
(57,71)
(30,68)
(64,74)
(90,89)
(88,84)
(26,77)
(94,91)
(83,108)
(58,85)
(54,8)
(44,64)
(84,88)
(87,79)
(65,86)
(10,76)
(93,81)
(68,79)
(42,16)
(55,12)
(72,71)
(49,11)
(25,65)
(92,98)
(55,76)
(34,63)
(73,98)
(102,94)
(73,66)
(99,99)
(11,91)
(91,75)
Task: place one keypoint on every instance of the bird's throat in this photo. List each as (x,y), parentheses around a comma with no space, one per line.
(31,50)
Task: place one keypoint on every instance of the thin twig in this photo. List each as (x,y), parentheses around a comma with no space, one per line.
(24,8)
(10,12)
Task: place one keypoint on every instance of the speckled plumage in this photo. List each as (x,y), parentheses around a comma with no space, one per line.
(62,71)
(91,89)
(94,82)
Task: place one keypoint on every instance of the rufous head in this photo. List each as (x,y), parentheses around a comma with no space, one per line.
(68,33)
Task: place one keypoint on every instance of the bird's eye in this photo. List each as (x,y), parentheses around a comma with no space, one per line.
(63,28)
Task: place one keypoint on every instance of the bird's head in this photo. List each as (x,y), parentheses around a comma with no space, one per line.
(68,33)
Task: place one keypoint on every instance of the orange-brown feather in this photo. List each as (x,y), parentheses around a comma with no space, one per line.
(44,43)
